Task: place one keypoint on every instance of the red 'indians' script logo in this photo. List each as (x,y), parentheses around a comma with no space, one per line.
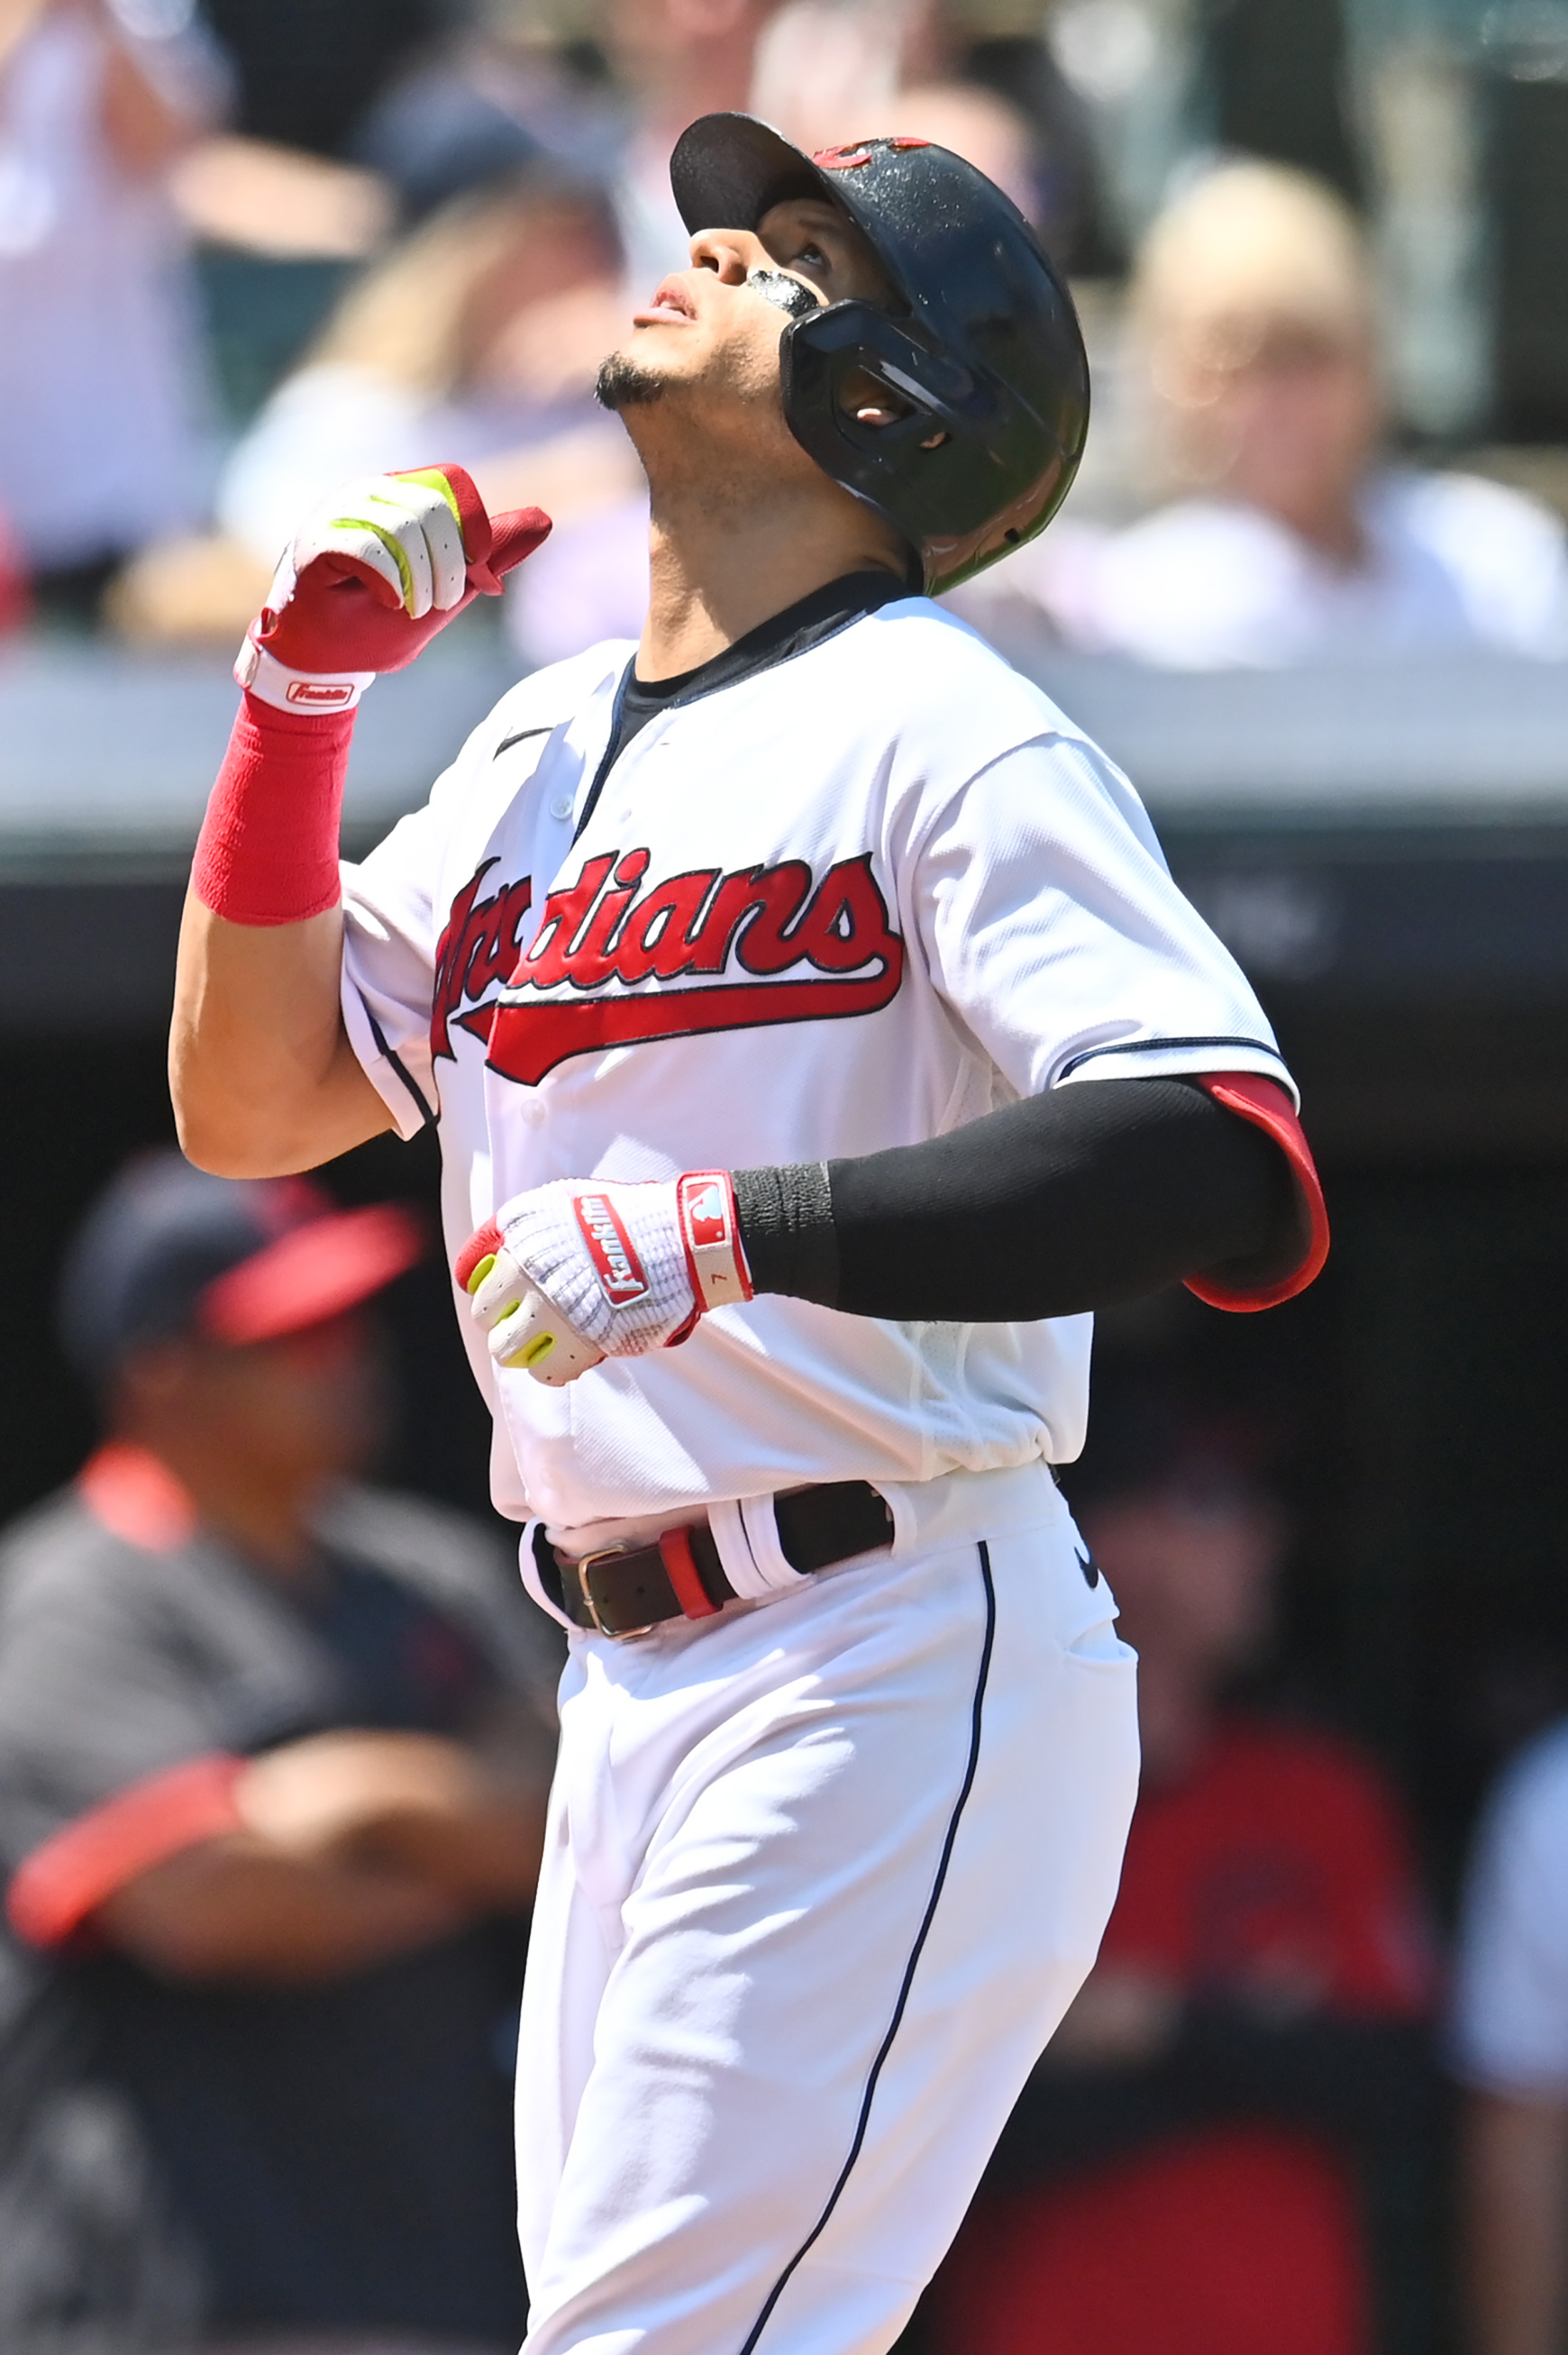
(603,965)
(478,950)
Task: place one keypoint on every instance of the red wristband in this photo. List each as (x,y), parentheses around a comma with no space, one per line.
(267,853)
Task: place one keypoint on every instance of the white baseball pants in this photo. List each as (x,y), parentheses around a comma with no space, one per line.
(821,1879)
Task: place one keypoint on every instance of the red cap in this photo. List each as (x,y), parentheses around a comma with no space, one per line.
(310,1274)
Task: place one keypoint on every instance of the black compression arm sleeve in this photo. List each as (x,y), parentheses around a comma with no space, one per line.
(1072,1201)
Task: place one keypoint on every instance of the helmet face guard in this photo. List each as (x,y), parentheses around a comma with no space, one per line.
(978,347)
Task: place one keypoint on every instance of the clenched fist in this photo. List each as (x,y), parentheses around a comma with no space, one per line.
(570,1273)
(372,576)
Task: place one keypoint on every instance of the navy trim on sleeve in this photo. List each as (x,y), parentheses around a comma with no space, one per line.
(521,737)
(427,1112)
(1162,1046)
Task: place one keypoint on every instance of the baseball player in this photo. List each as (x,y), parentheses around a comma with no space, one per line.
(816,1037)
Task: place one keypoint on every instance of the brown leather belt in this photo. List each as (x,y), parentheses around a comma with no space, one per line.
(627,1591)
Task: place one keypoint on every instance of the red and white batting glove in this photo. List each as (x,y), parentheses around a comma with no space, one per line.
(372,576)
(573,1273)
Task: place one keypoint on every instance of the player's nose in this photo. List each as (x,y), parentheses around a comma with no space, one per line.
(731,253)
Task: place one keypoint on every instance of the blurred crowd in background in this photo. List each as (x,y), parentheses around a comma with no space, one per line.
(247,251)
(273,1743)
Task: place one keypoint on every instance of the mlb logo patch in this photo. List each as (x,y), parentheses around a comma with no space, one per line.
(707,1207)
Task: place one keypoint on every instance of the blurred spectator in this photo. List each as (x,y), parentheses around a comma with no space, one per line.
(1511,2037)
(308,70)
(1255,310)
(274,1749)
(828,70)
(1177,2175)
(280,201)
(499,96)
(477,341)
(100,403)
(484,330)
(15,602)
(676,60)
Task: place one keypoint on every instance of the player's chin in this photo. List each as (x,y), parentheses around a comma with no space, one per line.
(627,381)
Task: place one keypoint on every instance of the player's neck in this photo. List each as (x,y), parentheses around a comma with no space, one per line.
(718,570)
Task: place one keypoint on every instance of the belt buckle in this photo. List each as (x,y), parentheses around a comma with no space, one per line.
(580,1569)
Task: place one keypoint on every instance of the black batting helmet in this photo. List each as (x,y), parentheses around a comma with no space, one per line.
(980,344)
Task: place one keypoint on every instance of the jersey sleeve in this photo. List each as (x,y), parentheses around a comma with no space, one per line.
(390,951)
(391,939)
(1509,2027)
(1051,926)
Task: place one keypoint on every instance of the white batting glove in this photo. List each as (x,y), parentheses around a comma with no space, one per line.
(572,1273)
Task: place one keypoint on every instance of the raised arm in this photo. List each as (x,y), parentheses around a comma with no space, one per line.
(263,1076)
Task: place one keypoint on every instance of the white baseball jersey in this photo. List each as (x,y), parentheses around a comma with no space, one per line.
(848,901)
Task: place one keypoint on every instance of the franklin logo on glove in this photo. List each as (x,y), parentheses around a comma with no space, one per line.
(610,1248)
(568,1275)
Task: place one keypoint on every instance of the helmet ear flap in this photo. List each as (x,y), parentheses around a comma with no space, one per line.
(913,468)
(820,356)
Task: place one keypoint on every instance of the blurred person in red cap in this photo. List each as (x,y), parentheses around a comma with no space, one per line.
(1179,2173)
(273,1752)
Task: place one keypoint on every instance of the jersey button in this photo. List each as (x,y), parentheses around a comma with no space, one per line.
(562,806)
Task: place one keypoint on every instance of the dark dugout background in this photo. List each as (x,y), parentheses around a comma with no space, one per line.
(1411,1407)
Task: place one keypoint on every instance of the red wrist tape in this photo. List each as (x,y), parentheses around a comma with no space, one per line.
(267,853)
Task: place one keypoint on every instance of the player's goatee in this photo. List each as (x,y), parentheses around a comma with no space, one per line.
(621,384)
